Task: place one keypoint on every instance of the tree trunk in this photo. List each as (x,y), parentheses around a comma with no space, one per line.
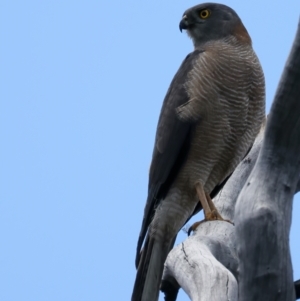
(249,260)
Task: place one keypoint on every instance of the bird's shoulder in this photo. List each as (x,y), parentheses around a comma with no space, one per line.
(180,78)
(176,96)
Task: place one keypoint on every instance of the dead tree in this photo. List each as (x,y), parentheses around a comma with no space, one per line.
(249,260)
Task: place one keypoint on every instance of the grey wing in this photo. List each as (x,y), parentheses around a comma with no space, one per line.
(171,145)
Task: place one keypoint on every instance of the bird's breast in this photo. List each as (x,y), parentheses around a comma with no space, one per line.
(226,90)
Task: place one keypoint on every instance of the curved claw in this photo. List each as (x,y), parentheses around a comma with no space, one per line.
(194,226)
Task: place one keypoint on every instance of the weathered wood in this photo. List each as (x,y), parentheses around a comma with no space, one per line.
(196,255)
(205,265)
(264,207)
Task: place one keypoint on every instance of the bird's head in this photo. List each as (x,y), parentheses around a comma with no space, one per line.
(211,21)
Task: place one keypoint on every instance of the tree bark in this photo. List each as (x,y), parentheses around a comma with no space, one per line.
(251,259)
(264,207)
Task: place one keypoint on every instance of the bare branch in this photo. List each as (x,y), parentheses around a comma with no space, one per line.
(264,207)
(198,271)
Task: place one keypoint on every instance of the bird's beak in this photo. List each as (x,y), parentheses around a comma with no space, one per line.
(184,24)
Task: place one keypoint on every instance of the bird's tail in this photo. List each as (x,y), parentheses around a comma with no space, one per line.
(150,269)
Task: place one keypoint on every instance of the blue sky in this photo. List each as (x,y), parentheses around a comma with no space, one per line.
(82,84)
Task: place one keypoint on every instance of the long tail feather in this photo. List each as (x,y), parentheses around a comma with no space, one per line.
(150,269)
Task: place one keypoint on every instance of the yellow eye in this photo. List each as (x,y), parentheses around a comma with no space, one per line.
(204,14)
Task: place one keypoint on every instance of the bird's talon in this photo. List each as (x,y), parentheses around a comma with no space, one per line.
(194,226)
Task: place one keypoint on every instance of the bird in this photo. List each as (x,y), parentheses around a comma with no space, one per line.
(210,116)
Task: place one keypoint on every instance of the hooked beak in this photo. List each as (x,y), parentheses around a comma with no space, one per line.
(183,23)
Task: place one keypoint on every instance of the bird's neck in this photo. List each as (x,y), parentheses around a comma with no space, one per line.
(232,40)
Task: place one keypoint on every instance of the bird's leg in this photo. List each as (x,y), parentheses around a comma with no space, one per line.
(210,211)
(213,208)
(205,205)
(202,198)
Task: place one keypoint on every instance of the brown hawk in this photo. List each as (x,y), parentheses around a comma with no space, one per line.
(210,117)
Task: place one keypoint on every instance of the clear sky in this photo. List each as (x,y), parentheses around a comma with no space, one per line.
(82,83)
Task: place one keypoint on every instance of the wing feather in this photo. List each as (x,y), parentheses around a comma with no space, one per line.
(171,144)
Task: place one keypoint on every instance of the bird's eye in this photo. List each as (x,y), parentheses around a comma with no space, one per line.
(204,14)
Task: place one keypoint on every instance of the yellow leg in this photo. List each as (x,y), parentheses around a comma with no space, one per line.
(210,211)
(214,210)
(202,198)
